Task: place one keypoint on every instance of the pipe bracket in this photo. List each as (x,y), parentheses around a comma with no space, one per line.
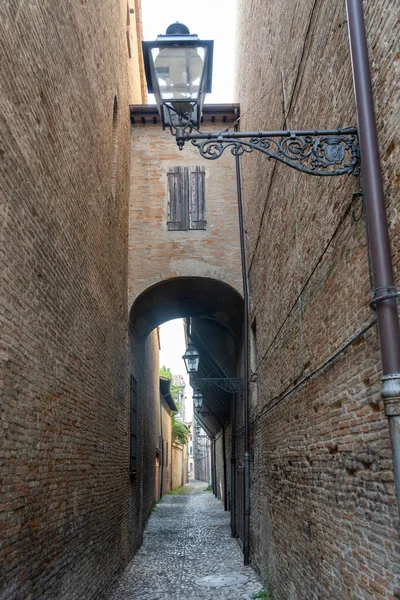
(383,293)
(391,394)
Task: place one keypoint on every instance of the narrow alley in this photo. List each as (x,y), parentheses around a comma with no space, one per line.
(226,170)
(188,553)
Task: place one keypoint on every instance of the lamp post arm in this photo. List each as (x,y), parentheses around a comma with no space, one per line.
(323,152)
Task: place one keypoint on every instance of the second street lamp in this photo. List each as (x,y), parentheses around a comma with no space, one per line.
(197,399)
(191,359)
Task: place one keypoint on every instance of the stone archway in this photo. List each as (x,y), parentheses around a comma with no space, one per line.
(187,297)
(216,309)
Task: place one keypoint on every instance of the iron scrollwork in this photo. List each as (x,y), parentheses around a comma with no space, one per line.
(230,385)
(326,153)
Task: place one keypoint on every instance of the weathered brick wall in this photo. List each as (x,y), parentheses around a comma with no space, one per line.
(186,463)
(167,437)
(224,471)
(66,491)
(144,366)
(177,465)
(323,514)
(156,254)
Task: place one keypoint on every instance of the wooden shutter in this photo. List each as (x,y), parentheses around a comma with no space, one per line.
(196,176)
(177,198)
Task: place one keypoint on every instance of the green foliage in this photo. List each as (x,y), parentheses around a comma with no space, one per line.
(180,432)
(177,490)
(263,595)
(174,389)
(155,505)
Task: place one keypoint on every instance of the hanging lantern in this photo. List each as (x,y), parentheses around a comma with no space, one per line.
(197,399)
(192,359)
(178,72)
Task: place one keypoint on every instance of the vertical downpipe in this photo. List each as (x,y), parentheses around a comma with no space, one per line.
(246,516)
(215,469)
(233,472)
(225,470)
(381,262)
(161,451)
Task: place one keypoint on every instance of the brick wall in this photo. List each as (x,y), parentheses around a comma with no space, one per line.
(167,437)
(156,254)
(66,491)
(324,518)
(177,465)
(144,366)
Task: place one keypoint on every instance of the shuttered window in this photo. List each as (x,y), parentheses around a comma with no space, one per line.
(133,448)
(186,198)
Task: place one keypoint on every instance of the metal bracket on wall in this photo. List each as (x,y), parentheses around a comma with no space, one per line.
(327,153)
(383,293)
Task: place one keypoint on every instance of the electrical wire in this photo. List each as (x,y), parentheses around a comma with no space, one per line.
(271,404)
(268,91)
(295,302)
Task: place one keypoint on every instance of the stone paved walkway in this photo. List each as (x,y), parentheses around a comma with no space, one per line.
(188,554)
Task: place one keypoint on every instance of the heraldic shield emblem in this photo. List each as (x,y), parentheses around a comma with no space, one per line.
(334,151)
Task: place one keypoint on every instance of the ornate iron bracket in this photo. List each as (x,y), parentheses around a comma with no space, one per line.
(329,152)
(232,386)
(207,413)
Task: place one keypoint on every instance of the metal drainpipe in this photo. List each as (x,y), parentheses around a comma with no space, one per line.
(233,472)
(162,451)
(382,270)
(215,469)
(246,517)
(225,470)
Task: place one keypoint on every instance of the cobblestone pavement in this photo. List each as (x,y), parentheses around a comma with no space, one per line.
(188,554)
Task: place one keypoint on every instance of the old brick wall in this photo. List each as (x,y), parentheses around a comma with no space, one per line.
(223,471)
(167,450)
(66,490)
(156,254)
(323,515)
(186,463)
(144,366)
(177,465)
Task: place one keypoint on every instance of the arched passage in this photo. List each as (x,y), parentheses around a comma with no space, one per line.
(187,297)
(216,311)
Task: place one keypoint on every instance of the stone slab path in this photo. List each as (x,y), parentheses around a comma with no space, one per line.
(188,553)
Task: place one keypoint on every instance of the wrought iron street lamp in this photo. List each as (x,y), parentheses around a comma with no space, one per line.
(191,359)
(232,385)
(179,71)
(197,399)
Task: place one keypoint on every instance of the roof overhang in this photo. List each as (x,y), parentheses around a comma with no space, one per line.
(147,114)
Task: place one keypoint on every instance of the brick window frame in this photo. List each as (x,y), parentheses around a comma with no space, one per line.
(186,198)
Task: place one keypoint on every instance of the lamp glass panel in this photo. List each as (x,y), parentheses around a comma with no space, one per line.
(179,70)
(192,364)
(197,400)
